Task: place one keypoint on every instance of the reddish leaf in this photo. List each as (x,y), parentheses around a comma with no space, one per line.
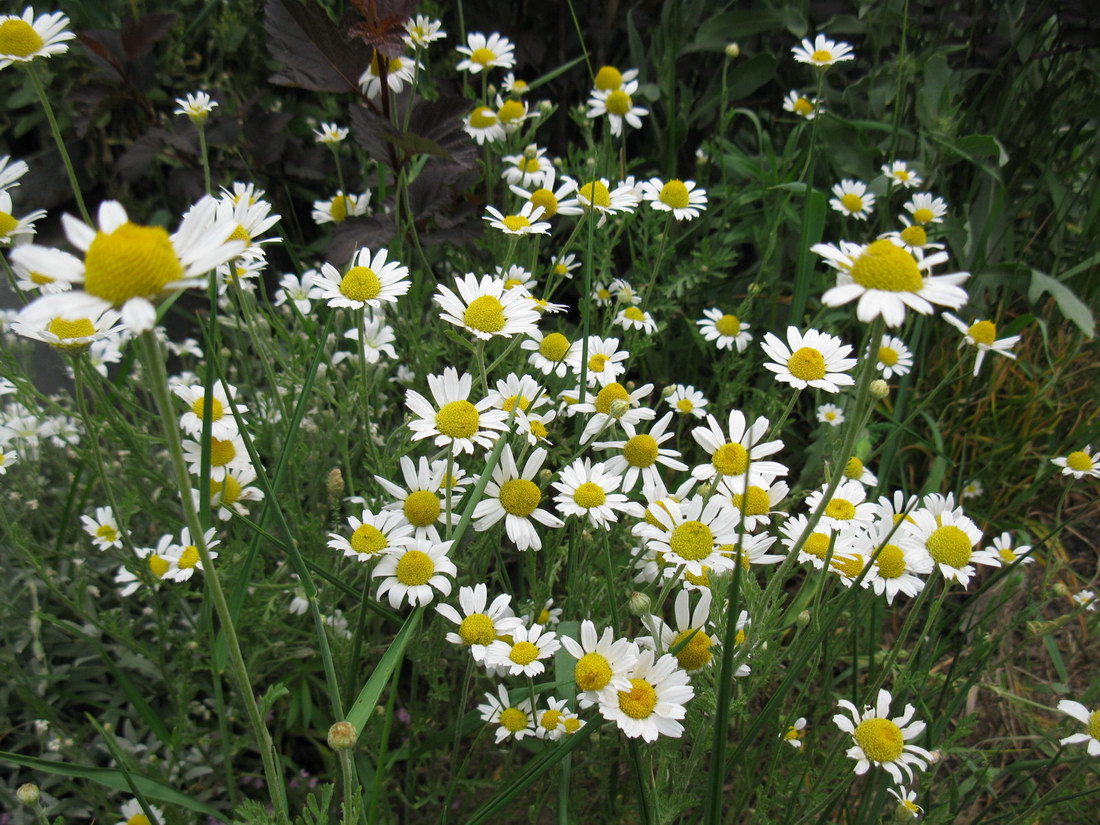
(383,24)
(357,233)
(139,36)
(315,54)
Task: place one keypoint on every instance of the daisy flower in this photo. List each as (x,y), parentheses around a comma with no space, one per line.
(590,490)
(738,453)
(618,106)
(340,207)
(197,106)
(613,404)
(13,228)
(373,535)
(599,196)
(133,814)
(411,572)
(222,423)
(550,353)
(606,362)
(686,400)
(900,174)
(624,293)
(103,528)
(525,223)
(553,201)
(814,359)
(802,105)
(399,73)
(601,295)
(521,393)
(184,557)
(485,308)
(225,454)
(515,720)
(603,663)
(926,208)
(689,640)
(557,720)
(28,279)
(11,172)
(514,85)
(655,701)
(1009,553)
(527,169)
(847,508)
(971,489)
(756,505)
(478,626)
(245,207)
(457,422)
(907,803)
(633,317)
(423,499)
(983,335)
(1086,599)
(513,496)
(299,291)
(815,549)
(856,470)
(25,37)
(368,282)
(883,741)
(691,532)
(830,414)
(524,654)
(727,330)
(564,266)
(949,540)
(511,114)
(376,336)
(822,52)
(851,198)
(679,197)
(422,30)
(68,335)
(226,495)
(608,78)
(893,357)
(886,279)
(128,266)
(896,568)
(331,135)
(1079,463)
(640,454)
(483,53)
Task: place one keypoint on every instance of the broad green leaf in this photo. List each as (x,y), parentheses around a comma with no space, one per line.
(368,696)
(1070,305)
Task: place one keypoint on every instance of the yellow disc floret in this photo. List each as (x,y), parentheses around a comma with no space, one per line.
(421,508)
(547,200)
(1080,461)
(914,235)
(890,562)
(138,819)
(66,330)
(923,215)
(520,497)
(131,262)
(106,532)
(887,356)
(852,202)
(692,541)
(482,117)
(807,364)
(216,409)
(853,469)
(817,545)
(415,568)
(840,509)
(458,419)
(523,653)
(511,112)
(639,701)
(728,325)
(641,450)
(338,208)
(949,545)
(983,332)
(483,56)
(803,107)
(595,193)
(360,284)
(188,558)
(19,39)
(886,266)
(589,495)
(632,313)
(368,540)
(484,314)
(554,347)
(593,672)
(731,459)
(221,452)
(612,392)
(550,719)
(477,629)
(880,739)
(516,223)
(158,565)
(674,194)
(757,503)
(696,653)
(230,491)
(608,78)
(513,719)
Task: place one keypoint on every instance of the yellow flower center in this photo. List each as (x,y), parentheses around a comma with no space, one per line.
(618,103)
(64,329)
(230,490)
(520,497)
(608,78)
(415,568)
(485,314)
(923,215)
(550,719)
(7,224)
(595,193)
(528,165)
(483,56)
(513,719)
(547,200)
(887,356)
(807,364)
(483,117)
(983,332)
(138,819)
(731,459)
(477,629)
(641,450)
(702,580)
(728,325)
(890,562)
(338,208)
(158,565)
(589,495)
(360,284)
(538,429)
(1094,724)
(523,653)
(880,739)
(240,234)
(914,235)
(458,419)
(421,508)
(368,540)
(848,566)
(852,202)
(515,223)
(821,56)
(512,112)
(793,734)
(133,261)
(633,314)
(803,107)
(1007,555)
(639,701)
(684,405)
(612,392)
(758,503)
(188,558)
(886,266)
(216,409)
(554,347)
(696,653)
(902,175)
(597,362)
(840,509)
(817,545)
(593,672)
(674,194)
(221,452)
(949,545)
(572,725)
(853,469)
(692,541)
(1079,461)
(107,532)
(19,39)
(36,277)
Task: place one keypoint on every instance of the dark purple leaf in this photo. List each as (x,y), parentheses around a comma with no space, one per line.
(357,233)
(314,52)
(383,24)
(139,36)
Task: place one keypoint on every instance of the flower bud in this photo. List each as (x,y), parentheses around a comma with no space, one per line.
(732,50)
(530,151)
(803,618)
(342,736)
(27,794)
(879,388)
(619,408)
(667,391)
(1060,589)
(545,474)
(640,604)
(335,483)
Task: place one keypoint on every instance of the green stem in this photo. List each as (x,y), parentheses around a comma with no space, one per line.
(801,283)
(40,90)
(204,156)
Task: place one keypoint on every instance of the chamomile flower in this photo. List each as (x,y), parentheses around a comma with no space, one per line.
(553,201)
(983,335)
(830,414)
(602,663)
(550,353)
(851,198)
(423,499)
(856,470)
(601,295)
(133,814)
(11,172)
(728,331)
(128,266)
(251,214)
(301,292)
(899,174)
(893,357)
(330,134)
(185,558)
(638,456)
(7,457)
(485,308)
(659,689)
(624,293)
(414,572)
(819,544)
(453,420)
(478,626)
(422,30)
(926,208)
(606,362)
(557,720)
(886,278)
(483,125)
(511,113)
(513,719)
(521,393)
(971,489)
(564,265)
(513,496)
(634,317)
(197,106)
(949,540)
(795,733)
(682,198)
(65,334)
(1009,552)
(26,37)
(618,105)
(376,338)
(12,229)
(814,359)
(225,454)
(802,105)
(599,196)
(373,535)
(755,503)
(523,655)
(738,452)
(103,528)
(369,281)
(28,279)
(689,634)
(483,53)
(686,400)
(612,405)
(608,78)
(879,740)
(1079,463)
(399,73)
(846,509)
(896,568)
(822,52)
(907,803)
(222,423)
(340,207)
(591,490)
(525,223)
(528,168)
(227,495)
(691,532)
(1086,599)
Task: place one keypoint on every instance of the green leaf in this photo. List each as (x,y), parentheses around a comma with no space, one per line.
(368,697)
(750,76)
(1070,305)
(109,778)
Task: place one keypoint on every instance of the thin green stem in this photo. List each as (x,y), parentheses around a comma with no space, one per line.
(40,90)
(204,157)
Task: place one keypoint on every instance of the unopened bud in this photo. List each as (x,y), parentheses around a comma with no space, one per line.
(545,474)
(530,151)
(545,107)
(341,736)
(640,604)
(803,618)
(1060,589)
(335,483)
(619,407)
(27,794)
(879,388)
(667,391)
(732,50)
